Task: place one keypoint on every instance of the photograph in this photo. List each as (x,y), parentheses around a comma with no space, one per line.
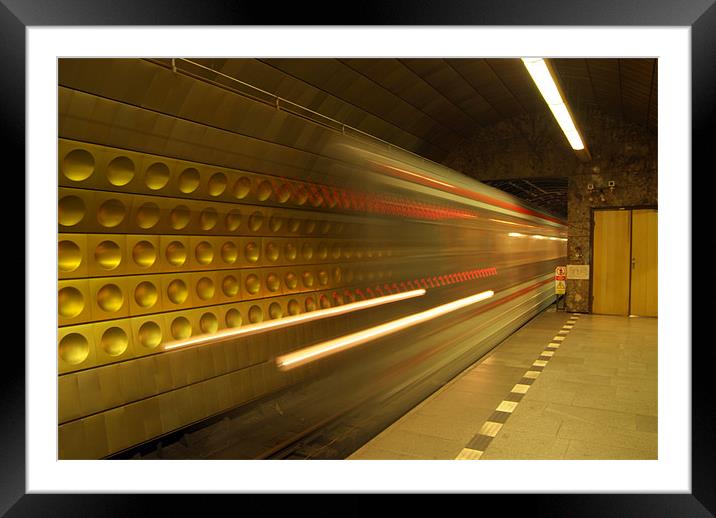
(438,251)
(357,258)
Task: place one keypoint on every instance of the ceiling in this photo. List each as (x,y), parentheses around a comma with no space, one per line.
(428,106)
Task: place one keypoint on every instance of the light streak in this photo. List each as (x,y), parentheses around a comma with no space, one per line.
(314,352)
(252,329)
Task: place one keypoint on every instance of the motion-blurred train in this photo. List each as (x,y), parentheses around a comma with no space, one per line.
(248,277)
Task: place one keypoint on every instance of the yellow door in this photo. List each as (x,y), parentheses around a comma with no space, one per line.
(611,262)
(644,269)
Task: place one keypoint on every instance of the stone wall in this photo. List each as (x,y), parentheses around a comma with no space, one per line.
(528,146)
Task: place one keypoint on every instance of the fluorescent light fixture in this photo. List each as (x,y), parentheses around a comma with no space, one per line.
(516,234)
(314,352)
(547,86)
(252,329)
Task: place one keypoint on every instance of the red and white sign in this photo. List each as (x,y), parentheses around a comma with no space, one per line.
(560,280)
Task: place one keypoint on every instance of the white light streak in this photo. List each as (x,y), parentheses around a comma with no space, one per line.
(252,329)
(314,352)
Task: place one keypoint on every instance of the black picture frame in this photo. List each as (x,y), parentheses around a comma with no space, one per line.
(700,15)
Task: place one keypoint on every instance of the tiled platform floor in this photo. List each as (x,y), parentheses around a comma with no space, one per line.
(596,398)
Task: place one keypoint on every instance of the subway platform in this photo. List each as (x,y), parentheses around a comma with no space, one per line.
(564,386)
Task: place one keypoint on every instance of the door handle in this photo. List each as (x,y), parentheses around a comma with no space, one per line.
(633,263)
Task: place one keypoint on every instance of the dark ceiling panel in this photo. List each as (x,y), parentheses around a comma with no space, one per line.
(514,76)
(483,79)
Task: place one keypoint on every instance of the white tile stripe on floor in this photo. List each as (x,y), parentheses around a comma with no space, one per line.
(491,427)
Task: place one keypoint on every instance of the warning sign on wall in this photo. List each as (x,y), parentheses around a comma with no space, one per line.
(560,280)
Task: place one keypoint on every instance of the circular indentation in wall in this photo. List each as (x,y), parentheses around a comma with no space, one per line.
(74,348)
(217,184)
(336,251)
(233,219)
(69,256)
(252,283)
(275,223)
(347,251)
(256,314)
(325,227)
(272,252)
(208,323)
(255,221)
(120,171)
(337,274)
(307,251)
(146,294)
(147,215)
(150,334)
(293,225)
(233,318)
(181,328)
(283,193)
(263,190)
(370,276)
(324,302)
(208,218)
(110,298)
(300,195)
(323,277)
(275,310)
(359,252)
(204,253)
(291,280)
(308,279)
(252,252)
(241,188)
(188,180)
(177,291)
(111,213)
(78,165)
(230,286)
(70,210)
(114,341)
(309,226)
(205,288)
(70,302)
(310,304)
(108,255)
(229,252)
(369,253)
(339,227)
(273,283)
(176,253)
(157,176)
(322,251)
(144,254)
(294,308)
(179,217)
(290,251)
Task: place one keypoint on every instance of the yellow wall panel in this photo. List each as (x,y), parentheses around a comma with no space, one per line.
(72,256)
(106,254)
(145,294)
(143,254)
(76,348)
(113,341)
(148,333)
(109,298)
(74,301)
